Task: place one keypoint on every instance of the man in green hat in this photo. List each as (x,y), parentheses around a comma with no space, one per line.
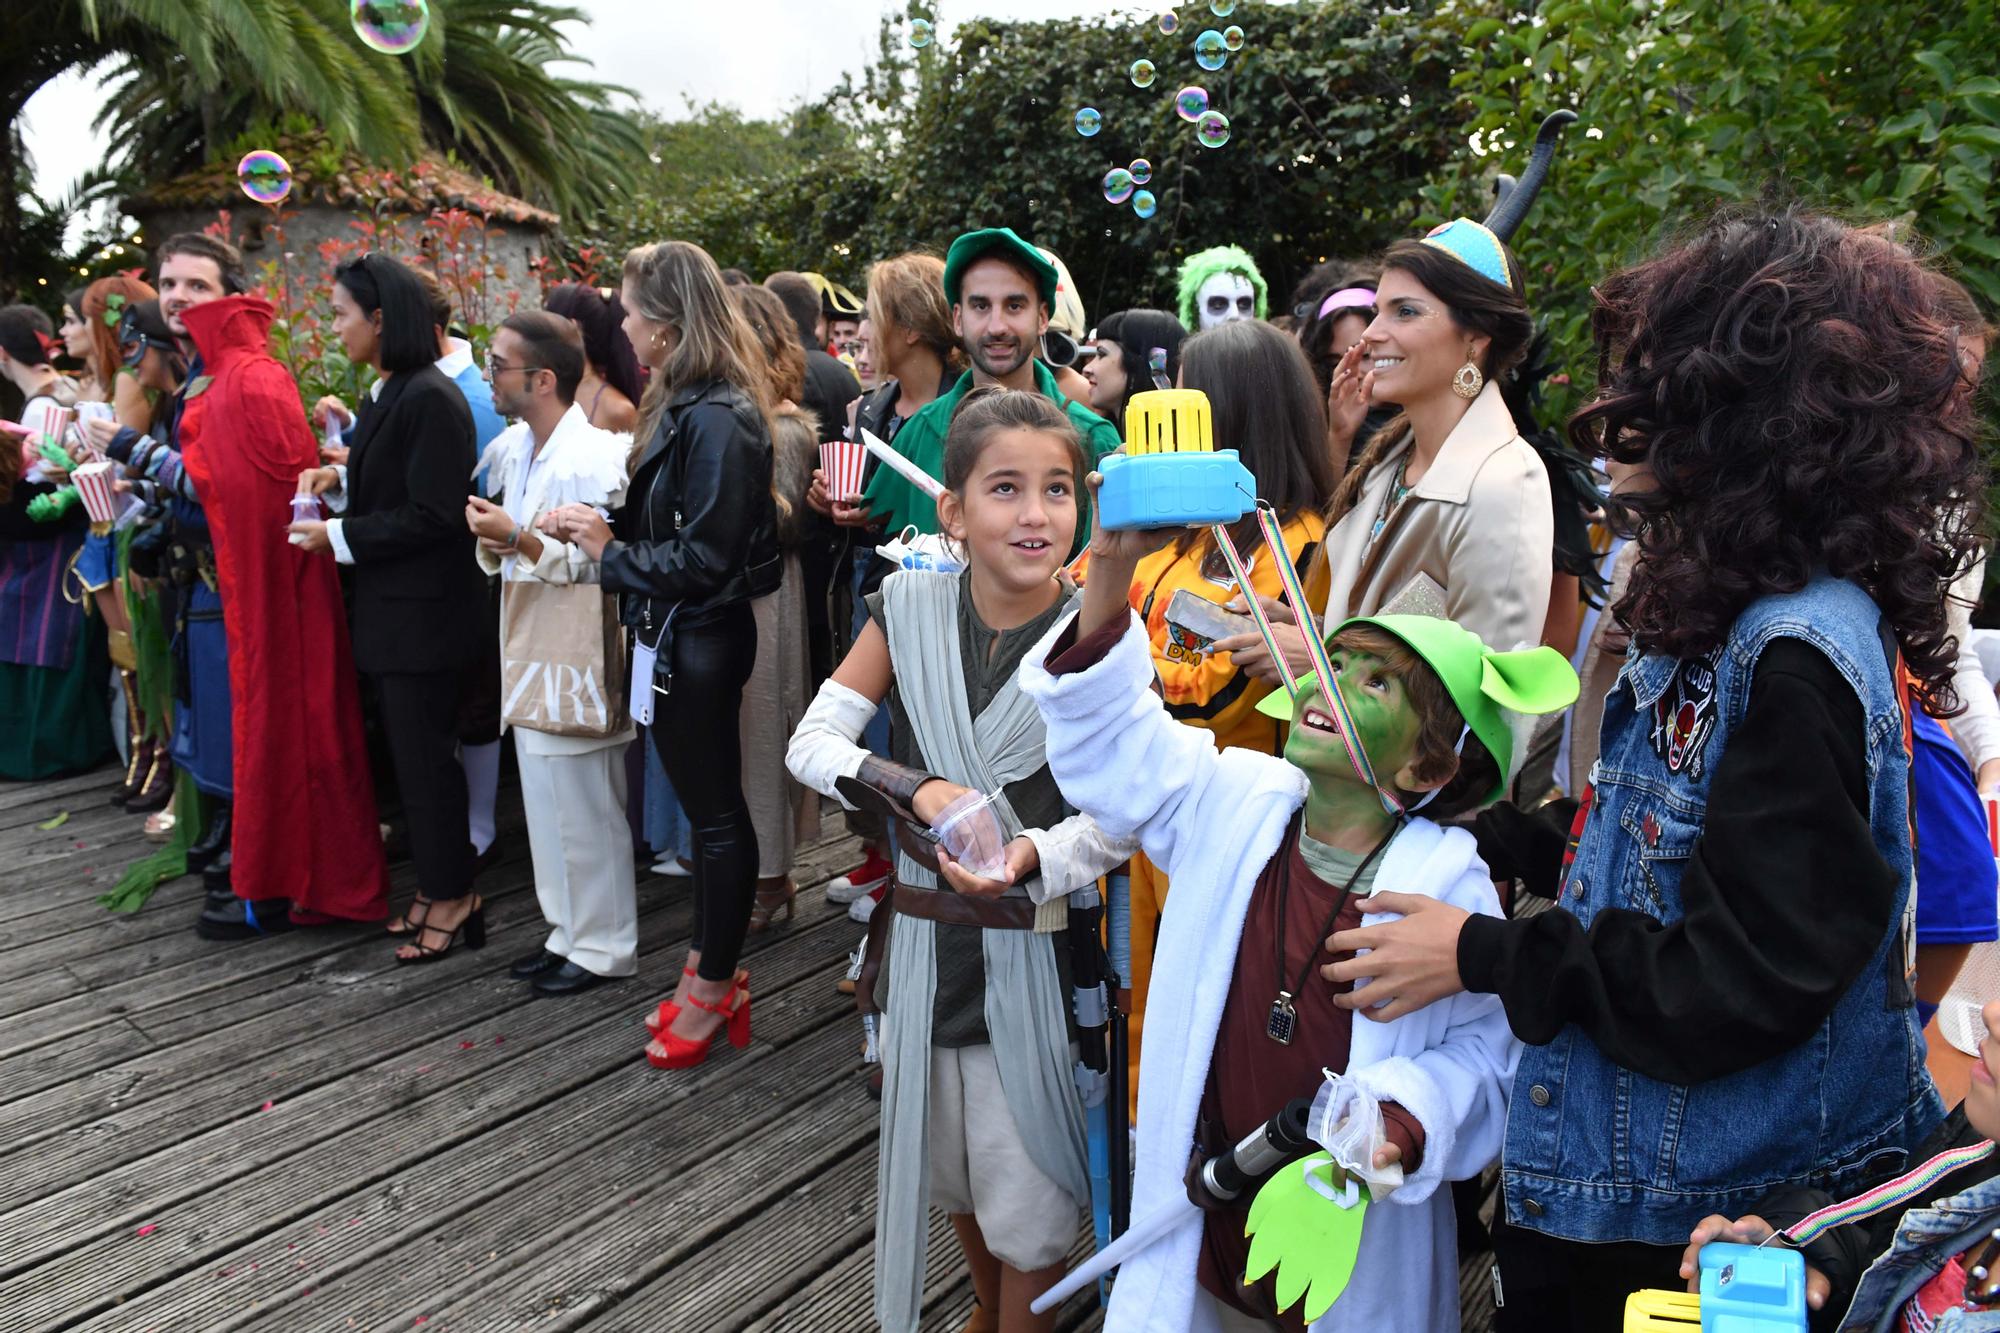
(1001,290)
(1269,857)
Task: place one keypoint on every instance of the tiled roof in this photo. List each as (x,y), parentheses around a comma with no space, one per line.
(427,184)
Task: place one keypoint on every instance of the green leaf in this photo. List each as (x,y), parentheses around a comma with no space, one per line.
(1939,65)
(1914,176)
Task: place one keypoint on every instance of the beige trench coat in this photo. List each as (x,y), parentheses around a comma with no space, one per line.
(1480,524)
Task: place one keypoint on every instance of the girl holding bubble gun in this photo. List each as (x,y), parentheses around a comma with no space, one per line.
(1914,1254)
(976,1055)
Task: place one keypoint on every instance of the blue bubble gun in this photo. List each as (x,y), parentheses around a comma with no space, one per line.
(1744,1289)
(1171,475)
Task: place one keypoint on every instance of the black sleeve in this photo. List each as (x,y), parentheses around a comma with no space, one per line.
(438,458)
(721,487)
(1526,845)
(1784,900)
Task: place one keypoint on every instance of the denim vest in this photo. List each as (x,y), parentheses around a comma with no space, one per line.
(1596,1152)
(1926,1239)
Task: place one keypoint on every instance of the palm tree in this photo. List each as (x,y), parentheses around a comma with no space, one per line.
(188,76)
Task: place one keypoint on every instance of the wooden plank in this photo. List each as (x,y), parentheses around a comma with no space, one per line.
(25,1120)
(207,1079)
(662,1183)
(53,791)
(217,1192)
(212,1142)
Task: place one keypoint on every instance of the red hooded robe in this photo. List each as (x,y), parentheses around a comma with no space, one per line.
(305,806)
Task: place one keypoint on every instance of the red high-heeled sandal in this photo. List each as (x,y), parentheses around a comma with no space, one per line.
(662,1018)
(668,1051)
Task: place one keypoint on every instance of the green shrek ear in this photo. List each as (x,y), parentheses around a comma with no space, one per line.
(1536,680)
(1300,1225)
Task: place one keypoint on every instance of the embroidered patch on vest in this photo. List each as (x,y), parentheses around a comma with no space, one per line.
(1684,717)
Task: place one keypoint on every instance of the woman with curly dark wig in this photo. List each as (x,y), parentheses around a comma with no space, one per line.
(1721,1003)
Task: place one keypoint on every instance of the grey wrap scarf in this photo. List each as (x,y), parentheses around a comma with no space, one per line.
(1024,1003)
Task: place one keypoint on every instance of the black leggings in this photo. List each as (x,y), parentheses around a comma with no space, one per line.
(695,727)
(1552,1285)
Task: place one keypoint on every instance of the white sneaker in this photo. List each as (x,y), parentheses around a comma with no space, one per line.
(846,888)
(672,868)
(861,909)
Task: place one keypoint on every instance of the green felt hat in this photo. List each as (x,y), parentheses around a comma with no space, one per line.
(974,246)
(1484,684)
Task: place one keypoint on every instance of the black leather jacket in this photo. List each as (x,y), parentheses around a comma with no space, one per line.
(699,528)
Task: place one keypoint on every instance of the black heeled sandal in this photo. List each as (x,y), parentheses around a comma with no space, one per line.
(473,928)
(410,922)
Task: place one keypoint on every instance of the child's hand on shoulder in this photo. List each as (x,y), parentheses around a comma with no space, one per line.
(1022,860)
(1746,1230)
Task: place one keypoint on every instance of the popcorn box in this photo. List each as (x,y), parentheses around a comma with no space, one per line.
(843,461)
(94,484)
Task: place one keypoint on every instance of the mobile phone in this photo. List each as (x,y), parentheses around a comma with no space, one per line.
(1194,623)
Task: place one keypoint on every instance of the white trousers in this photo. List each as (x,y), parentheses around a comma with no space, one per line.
(582,855)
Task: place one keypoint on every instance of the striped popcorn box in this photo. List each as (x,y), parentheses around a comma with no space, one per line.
(93,483)
(843,461)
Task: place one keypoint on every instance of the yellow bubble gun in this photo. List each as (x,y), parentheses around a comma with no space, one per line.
(1171,475)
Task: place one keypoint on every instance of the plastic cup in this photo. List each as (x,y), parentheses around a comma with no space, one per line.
(970,830)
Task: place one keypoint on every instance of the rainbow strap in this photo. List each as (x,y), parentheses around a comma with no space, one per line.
(1274,541)
(1917,1180)
(1237,571)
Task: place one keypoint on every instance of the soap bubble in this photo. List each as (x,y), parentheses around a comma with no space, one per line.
(1232,37)
(1210,51)
(1212,130)
(393,27)
(265,176)
(1142,170)
(1088,121)
(920,33)
(1142,74)
(1118,184)
(1144,204)
(1222,9)
(1190,102)
(1169,21)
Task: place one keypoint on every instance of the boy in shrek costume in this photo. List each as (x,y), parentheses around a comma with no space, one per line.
(1269,857)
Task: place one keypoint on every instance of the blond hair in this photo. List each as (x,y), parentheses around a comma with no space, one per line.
(675,283)
(906,295)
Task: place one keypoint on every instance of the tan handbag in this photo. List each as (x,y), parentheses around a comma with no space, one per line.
(563,668)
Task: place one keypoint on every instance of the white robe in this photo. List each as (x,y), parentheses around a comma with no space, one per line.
(1213,820)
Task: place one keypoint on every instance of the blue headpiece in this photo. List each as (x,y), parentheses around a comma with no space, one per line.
(1473,244)
(1482,245)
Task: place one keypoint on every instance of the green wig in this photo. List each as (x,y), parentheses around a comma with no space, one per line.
(1199,268)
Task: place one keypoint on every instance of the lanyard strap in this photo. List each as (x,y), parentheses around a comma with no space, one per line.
(1889,1194)
(1288,577)
(1237,570)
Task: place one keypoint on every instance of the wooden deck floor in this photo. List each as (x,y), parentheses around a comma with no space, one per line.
(297,1135)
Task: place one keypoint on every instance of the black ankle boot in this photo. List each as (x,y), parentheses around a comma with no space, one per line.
(214,842)
(224,916)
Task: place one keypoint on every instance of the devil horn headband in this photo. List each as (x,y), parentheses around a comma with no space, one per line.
(1515,199)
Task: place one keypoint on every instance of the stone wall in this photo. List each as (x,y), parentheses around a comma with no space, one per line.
(508,249)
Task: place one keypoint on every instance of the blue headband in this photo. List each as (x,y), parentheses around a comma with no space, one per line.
(1473,245)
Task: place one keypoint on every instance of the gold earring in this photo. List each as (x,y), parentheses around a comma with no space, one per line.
(1468,381)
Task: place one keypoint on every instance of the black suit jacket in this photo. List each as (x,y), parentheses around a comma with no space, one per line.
(419,595)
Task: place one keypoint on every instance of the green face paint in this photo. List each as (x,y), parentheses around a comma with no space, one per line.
(1384,723)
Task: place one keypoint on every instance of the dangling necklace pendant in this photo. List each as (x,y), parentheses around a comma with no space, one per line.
(1284,1019)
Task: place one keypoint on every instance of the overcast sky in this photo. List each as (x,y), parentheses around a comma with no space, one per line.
(759,55)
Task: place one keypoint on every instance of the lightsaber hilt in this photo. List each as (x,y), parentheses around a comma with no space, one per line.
(1282,1138)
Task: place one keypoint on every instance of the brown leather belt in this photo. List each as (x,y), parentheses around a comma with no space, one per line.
(960,909)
